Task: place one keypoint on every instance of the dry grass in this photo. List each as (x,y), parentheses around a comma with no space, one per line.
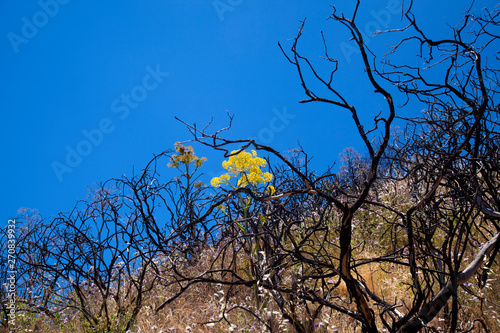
(203,303)
(199,308)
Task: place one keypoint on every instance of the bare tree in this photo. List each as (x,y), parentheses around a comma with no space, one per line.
(422,203)
(445,159)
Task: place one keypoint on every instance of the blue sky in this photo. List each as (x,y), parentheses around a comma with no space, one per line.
(104,80)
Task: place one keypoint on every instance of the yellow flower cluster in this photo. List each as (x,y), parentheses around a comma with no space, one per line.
(246,166)
(186,156)
(270,190)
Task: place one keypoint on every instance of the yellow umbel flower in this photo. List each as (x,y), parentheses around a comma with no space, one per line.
(246,166)
(186,156)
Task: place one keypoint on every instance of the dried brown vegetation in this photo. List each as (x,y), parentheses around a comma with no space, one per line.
(402,239)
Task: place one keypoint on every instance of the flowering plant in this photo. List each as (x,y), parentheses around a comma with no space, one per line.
(186,156)
(247,168)
(187,182)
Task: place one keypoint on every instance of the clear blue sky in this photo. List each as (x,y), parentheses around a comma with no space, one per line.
(104,80)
